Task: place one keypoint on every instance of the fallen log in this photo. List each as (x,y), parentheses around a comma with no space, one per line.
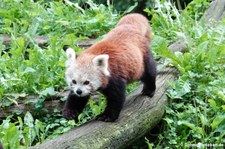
(28,104)
(39,40)
(50,104)
(215,12)
(138,116)
(42,41)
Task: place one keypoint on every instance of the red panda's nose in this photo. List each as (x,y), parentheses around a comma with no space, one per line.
(79,92)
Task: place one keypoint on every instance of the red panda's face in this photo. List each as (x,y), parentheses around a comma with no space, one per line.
(84,76)
(83,80)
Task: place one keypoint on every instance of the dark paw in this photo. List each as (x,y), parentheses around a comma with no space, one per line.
(148,93)
(106,118)
(70,114)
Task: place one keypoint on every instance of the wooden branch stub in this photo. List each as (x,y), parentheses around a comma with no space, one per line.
(179,46)
(86,43)
(41,40)
(6,39)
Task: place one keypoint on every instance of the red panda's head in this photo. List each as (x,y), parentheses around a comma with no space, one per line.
(85,74)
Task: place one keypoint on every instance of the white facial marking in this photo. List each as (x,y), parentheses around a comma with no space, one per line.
(82,73)
(80,86)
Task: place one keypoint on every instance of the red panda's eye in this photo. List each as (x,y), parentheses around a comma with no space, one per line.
(86,82)
(74,81)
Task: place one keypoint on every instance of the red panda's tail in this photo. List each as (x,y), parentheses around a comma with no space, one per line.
(139,21)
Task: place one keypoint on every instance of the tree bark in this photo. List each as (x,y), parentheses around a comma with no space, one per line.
(215,12)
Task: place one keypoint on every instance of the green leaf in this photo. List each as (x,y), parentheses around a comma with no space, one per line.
(28,120)
(191,126)
(213,103)
(220,128)
(48,91)
(217,120)
(65,23)
(76,5)
(20,122)
(159,45)
(204,120)
(131,8)
(28,70)
(169,121)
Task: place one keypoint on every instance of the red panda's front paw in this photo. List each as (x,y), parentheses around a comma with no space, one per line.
(70,114)
(106,118)
(148,93)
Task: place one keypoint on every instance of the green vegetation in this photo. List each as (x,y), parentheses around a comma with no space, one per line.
(196,99)
(62,23)
(27,69)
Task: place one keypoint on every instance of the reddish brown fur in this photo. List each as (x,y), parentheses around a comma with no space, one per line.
(126,46)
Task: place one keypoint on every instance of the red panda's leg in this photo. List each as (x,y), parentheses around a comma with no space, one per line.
(115,93)
(74,106)
(149,76)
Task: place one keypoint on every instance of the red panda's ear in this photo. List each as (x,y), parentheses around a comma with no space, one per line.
(70,53)
(101,62)
(71,57)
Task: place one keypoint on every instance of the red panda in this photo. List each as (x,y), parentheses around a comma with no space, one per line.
(122,56)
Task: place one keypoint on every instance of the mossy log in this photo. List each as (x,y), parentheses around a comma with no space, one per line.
(138,116)
(215,12)
(28,103)
(39,40)
(42,41)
